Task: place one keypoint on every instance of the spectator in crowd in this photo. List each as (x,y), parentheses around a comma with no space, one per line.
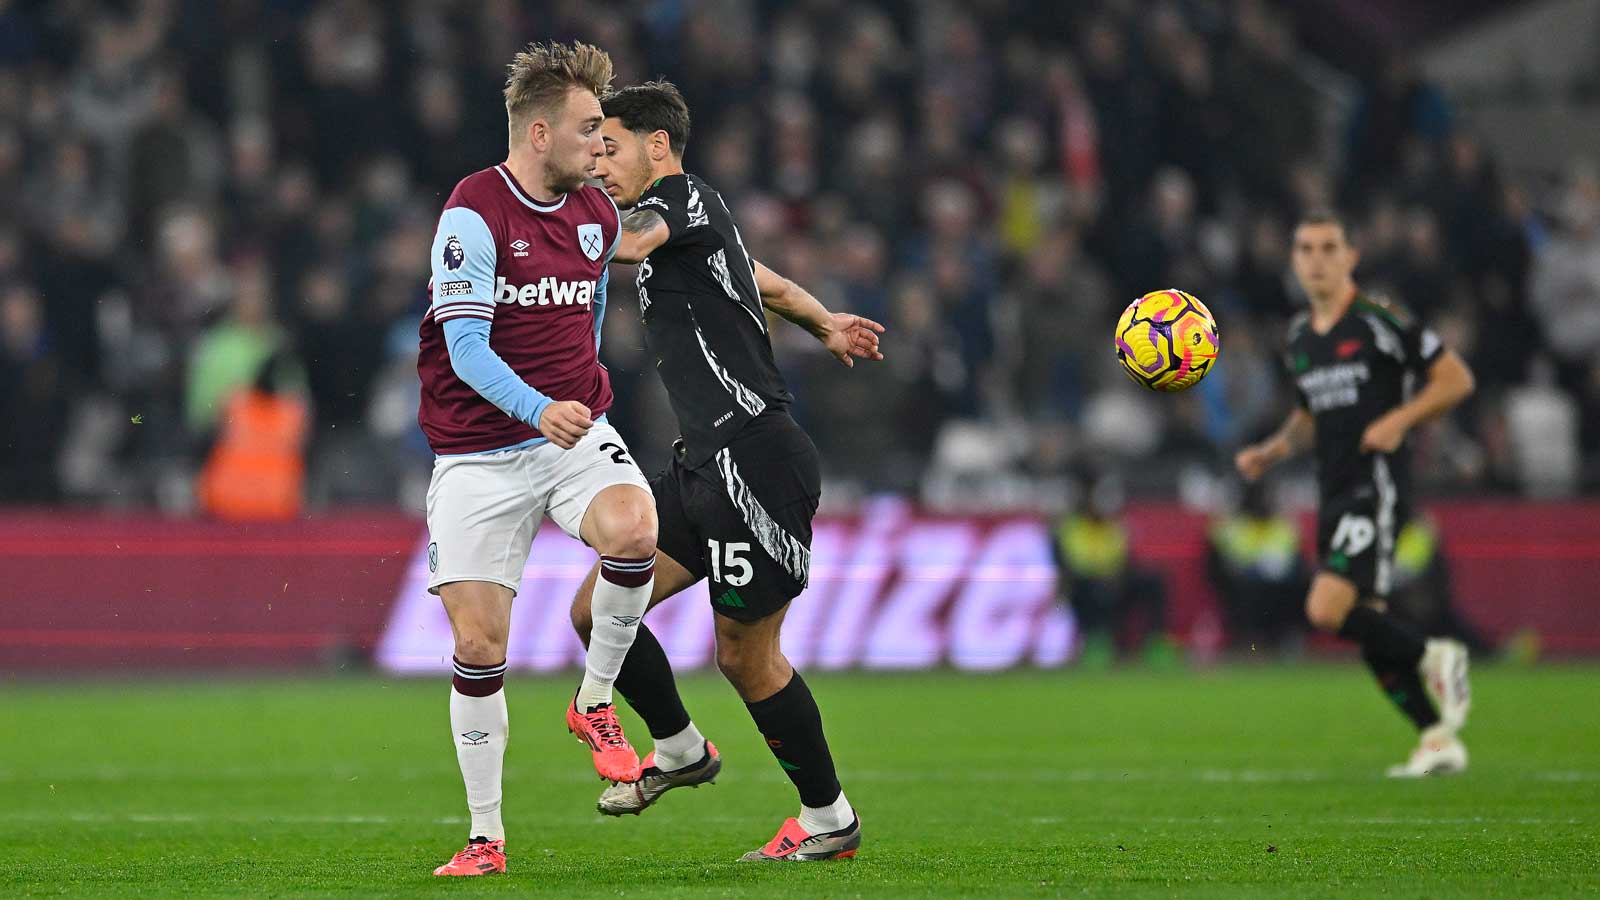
(1566,297)
(255,471)
(1120,606)
(196,187)
(1423,593)
(228,355)
(33,374)
(1254,564)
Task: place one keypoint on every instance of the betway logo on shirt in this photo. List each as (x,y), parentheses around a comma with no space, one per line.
(549,291)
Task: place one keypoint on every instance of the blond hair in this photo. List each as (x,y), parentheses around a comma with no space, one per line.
(538,79)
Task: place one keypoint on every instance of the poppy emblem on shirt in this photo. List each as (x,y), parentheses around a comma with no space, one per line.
(1347,349)
(590,240)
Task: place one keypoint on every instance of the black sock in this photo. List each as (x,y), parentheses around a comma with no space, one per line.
(646,682)
(792,725)
(1383,636)
(1403,686)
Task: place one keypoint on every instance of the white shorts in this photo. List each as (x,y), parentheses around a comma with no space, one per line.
(484,510)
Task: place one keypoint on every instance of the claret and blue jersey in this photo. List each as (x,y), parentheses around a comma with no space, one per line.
(516,303)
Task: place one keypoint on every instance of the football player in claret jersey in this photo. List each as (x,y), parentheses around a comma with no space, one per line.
(736,502)
(513,404)
(1366,373)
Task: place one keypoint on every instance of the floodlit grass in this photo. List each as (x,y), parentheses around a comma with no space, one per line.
(1236,783)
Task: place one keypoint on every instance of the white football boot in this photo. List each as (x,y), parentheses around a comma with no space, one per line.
(1439,753)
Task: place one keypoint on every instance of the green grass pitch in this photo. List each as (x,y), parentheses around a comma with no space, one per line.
(1234,783)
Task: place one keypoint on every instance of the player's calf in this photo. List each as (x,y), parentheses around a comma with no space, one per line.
(479,725)
(621,523)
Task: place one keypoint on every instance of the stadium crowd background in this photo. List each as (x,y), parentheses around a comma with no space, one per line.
(194,187)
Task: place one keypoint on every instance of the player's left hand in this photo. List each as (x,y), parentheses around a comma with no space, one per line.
(1384,434)
(849,336)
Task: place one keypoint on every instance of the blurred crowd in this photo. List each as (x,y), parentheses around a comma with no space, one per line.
(196,189)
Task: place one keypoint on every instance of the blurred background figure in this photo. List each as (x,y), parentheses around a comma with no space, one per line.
(1424,595)
(1119,605)
(255,470)
(1255,565)
(198,187)
(195,187)
(33,373)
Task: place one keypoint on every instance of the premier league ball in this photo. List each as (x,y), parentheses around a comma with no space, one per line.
(1167,340)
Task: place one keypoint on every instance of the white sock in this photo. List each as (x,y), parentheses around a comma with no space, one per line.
(621,594)
(822,819)
(685,748)
(478,725)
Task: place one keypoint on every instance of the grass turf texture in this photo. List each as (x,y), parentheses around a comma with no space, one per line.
(1235,783)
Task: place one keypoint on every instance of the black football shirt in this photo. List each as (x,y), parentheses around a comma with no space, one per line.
(1363,367)
(703,320)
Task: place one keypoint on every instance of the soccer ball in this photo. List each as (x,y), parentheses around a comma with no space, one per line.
(1167,340)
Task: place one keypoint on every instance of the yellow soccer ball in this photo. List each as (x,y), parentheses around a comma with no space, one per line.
(1167,340)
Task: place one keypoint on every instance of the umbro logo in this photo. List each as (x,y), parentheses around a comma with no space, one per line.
(520,247)
(475,737)
(626,621)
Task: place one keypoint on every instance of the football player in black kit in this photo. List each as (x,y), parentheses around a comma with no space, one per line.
(1366,373)
(736,502)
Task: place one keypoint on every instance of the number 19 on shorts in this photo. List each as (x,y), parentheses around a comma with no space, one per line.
(726,557)
(1353,534)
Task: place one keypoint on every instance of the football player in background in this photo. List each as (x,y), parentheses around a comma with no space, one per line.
(1353,360)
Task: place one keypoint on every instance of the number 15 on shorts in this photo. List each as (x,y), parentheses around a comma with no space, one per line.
(727,566)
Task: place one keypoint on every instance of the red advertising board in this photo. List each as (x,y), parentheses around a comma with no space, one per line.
(890,589)
(88,592)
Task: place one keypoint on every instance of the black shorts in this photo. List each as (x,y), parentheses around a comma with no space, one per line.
(1356,533)
(743,520)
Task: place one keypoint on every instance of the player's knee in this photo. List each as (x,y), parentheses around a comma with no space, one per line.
(630,533)
(638,542)
(480,647)
(735,660)
(1325,616)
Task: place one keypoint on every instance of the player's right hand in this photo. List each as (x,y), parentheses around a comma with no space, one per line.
(565,422)
(1252,462)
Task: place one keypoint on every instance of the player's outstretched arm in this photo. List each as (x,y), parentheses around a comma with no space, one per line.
(1296,435)
(643,231)
(845,335)
(1449,382)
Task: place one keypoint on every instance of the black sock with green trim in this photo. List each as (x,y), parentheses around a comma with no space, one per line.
(1403,686)
(1383,636)
(792,725)
(646,683)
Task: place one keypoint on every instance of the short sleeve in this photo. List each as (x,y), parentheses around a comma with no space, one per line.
(679,204)
(1422,345)
(464,259)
